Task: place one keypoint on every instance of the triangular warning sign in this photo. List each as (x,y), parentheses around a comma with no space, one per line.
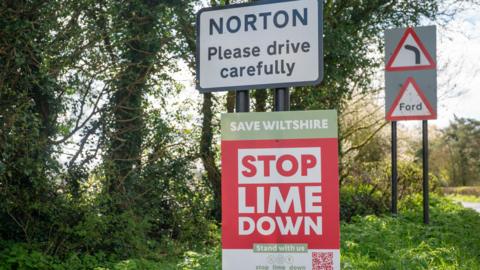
(410,104)
(410,54)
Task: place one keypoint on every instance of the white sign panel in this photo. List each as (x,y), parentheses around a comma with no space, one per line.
(261,45)
(294,165)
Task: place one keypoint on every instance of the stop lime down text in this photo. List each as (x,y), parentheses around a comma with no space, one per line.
(274,68)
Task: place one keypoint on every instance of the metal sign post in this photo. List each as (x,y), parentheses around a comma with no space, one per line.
(281,100)
(394,169)
(410,91)
(426,199)
(242,101)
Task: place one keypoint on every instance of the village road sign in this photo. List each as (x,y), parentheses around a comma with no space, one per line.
(410,73)
(280,194)
(266,44)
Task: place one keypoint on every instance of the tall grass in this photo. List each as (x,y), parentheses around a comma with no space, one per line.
(451,241)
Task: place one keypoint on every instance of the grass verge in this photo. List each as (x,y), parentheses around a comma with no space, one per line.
(464,198)
(465,190)
(451,241)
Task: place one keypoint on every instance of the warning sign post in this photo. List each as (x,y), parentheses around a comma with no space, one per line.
(280,197)
(411,91)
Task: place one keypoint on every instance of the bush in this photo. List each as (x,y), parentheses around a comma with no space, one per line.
(467,191)
(22,257)
(367,188)
(363,199)
(405,243)
(198,261)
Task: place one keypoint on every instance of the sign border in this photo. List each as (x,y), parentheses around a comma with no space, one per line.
(425,100)
(257,86)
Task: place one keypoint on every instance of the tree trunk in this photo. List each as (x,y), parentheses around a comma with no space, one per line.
(231,101)
(137,58)
(260,96)
(207,154)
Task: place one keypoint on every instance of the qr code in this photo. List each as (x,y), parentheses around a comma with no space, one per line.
(322,260)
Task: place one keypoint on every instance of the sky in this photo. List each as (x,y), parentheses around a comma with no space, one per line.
(458,52)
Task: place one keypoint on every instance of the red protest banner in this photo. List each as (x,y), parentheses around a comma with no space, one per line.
(279,198)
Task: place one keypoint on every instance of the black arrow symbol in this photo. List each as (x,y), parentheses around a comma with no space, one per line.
(416,51)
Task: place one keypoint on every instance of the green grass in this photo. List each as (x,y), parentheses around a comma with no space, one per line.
(464,198)
(451,241)
(465,190)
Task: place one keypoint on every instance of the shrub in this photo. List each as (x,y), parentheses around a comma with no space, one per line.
(362,199)
(405,243)
(467,191)
(367,188)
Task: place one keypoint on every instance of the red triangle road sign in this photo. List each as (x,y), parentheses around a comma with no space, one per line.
(410,54)
(411,104)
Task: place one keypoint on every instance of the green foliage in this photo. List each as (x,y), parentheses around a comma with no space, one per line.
(361,200)
(367,188)
(460,142)
(378,176)
(23,257)
(18,257)
(353,33)
(404,243)
(28,109)
(367,243)
(467,191)
(75,77)
(464,198)
(198,261)
(410,179)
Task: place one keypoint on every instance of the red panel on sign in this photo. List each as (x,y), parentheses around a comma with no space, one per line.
(280,191)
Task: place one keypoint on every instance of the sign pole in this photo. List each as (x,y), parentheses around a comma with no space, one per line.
(411,92)
(281,99)
(426,214)
(394,169)
(242,101)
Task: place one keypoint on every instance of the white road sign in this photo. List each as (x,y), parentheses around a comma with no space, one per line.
(261,45)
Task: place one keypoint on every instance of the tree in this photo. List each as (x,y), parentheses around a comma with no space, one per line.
(77,82)
(353,46)
(31,103)
(461,140)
